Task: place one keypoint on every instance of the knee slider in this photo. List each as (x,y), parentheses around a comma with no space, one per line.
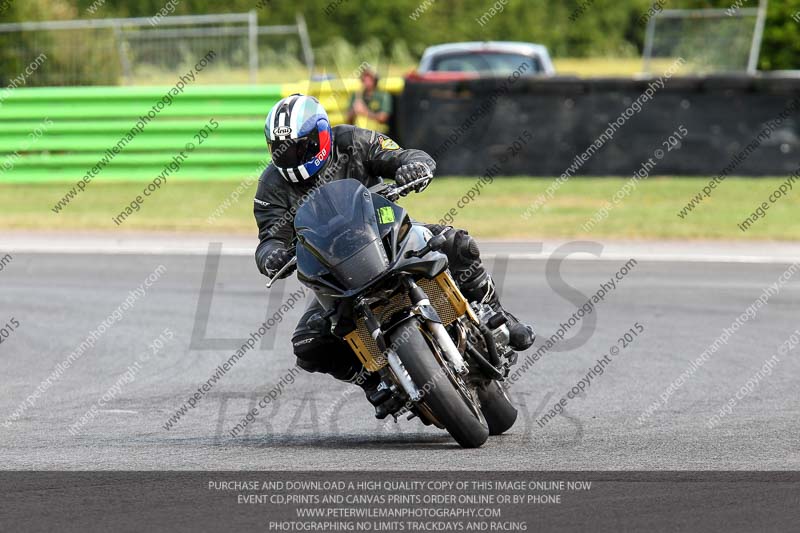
(461,249)
(464,245)
(308,347)
(326,355)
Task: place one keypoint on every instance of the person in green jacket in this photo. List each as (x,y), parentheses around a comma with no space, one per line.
(370,108)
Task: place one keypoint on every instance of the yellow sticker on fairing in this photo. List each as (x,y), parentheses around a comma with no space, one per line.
(388,144)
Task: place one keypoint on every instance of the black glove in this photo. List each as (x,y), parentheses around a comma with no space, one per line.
(276,259)
(412,172)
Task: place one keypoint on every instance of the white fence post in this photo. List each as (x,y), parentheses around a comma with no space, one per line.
(252,33)
(305,41)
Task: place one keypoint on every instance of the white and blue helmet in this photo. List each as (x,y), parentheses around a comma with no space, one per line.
(299,137)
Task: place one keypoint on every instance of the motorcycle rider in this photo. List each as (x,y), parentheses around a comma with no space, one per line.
(306,153)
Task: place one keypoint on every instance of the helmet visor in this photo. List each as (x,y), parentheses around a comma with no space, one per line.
(292,153)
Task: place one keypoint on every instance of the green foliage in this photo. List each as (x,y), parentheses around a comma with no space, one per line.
(398,30)
(781,46)
(98,63)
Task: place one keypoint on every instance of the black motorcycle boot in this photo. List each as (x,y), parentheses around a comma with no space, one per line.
(477,286)
(521,336)
(369,383)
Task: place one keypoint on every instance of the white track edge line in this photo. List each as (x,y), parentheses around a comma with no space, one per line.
(243,252)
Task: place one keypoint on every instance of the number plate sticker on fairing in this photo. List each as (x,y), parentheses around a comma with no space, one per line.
(386,215)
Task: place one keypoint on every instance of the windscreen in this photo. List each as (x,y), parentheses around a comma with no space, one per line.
(494,63)
(336,223)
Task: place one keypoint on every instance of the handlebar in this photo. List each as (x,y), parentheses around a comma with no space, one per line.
(393,192)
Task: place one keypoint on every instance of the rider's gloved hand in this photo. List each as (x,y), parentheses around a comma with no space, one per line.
(411,172)
(276,259)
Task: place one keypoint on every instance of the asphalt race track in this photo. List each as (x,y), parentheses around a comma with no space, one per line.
(314,423)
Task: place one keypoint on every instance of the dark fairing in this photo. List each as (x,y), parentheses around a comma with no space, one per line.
(338,229)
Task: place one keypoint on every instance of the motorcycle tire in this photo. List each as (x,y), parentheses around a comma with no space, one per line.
(497,408)
(440,394)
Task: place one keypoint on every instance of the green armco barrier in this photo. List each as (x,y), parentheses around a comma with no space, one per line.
(59,134)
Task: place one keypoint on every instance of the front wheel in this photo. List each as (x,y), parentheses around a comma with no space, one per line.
(442,391)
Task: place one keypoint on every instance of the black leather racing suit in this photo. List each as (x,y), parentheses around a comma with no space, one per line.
(363,155)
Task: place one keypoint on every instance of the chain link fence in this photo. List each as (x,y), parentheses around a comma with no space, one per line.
(148,51)
(710,40)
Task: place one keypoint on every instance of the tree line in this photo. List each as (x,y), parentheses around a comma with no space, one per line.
(570,28)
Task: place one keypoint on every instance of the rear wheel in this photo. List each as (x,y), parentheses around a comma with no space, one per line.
(497,408)
(443,392)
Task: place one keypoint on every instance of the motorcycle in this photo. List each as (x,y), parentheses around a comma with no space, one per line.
(387,291)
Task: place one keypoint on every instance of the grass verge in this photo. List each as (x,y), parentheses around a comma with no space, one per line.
(650,212)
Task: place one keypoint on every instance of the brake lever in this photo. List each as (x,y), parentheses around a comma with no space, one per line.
(380,187)
(410,185)
(391,194)
(435,243)
(395,192)
(292,262)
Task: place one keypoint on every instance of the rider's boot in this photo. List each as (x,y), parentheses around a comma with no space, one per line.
(376,394)
(370,383)
(477,286)
(521,336)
